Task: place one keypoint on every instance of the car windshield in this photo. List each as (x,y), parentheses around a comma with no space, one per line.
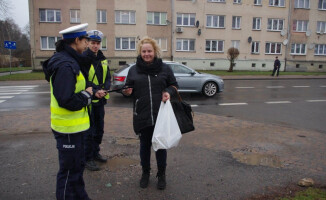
(123,67)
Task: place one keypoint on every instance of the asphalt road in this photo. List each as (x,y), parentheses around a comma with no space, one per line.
(295,103)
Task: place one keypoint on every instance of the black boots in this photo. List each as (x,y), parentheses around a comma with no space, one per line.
(98,157)
(161,183)
(145,178)
(91,166)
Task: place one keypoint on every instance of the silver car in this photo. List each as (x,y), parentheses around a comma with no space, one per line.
(188,79)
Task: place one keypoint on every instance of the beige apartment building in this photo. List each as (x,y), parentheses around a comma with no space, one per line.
(197,33)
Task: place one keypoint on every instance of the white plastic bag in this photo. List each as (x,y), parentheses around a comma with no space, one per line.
(167,133)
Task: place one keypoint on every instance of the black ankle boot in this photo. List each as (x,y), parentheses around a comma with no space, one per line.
(161,182)
(144,178)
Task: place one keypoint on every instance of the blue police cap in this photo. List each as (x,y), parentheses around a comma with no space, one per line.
(75,31)
(95,35)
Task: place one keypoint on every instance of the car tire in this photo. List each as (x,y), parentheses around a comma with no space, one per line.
(210,89)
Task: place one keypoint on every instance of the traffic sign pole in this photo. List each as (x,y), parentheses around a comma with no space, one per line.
(10,61)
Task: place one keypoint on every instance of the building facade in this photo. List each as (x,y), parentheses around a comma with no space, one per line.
(197,33)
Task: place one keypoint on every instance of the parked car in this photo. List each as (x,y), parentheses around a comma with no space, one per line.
(188,79)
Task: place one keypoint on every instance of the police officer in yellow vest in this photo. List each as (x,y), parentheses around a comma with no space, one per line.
(99,76)
(70,97)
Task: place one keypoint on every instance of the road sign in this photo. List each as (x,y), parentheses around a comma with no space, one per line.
(10,45)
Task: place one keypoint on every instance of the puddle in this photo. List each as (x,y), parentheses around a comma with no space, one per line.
(258,159)
(126,141)
(118,163)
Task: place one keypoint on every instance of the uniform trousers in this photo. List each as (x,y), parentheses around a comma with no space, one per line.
(93,137)
(70,181)
(145,136)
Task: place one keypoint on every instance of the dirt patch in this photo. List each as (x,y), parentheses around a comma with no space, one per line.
(275,193)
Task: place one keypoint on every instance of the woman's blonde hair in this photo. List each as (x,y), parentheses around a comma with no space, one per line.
(148,40)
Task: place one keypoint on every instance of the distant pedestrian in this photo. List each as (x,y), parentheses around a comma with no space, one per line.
(100,78)
(277,66)
(70,97)
(150,81)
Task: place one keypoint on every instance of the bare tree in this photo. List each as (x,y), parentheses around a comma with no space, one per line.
(13,33)
(233,54)
(5,7)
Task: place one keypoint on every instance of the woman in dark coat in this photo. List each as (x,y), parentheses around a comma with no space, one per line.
(150,81)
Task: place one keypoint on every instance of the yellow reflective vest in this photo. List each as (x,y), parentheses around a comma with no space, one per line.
(67,121)
(95,81)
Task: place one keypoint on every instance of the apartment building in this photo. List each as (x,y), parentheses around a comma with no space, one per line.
(197,33)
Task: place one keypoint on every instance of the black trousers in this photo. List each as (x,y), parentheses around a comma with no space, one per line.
(93,137)
(276,69)
(145,136)
(70,181)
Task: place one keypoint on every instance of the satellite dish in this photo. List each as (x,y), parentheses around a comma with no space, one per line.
(249,39)
(285,42)
(308,33)
(311,46)
(283,32)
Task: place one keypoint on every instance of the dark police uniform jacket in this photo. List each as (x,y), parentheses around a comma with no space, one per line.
(64,66)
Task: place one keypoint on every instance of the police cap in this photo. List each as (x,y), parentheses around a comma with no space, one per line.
(95,35)
(75,31)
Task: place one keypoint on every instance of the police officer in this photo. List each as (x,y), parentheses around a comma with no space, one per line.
(99,76)
(69,115)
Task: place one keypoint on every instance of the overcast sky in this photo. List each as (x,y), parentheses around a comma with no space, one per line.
(19,12)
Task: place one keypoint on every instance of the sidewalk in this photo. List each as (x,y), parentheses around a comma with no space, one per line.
(259,77)
(224,158)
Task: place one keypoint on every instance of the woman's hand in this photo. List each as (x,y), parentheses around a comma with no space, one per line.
(165,96)
(127,91)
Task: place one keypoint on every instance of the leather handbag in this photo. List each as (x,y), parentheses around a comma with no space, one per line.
(183,113)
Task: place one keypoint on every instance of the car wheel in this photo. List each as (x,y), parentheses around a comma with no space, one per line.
(210,89)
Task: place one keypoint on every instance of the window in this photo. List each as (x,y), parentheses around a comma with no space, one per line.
(322,5)
(235,44)
(257,2)
(215,21)
(273,48)
(101,16)
(125,43)
(74,16)
(125,17)
(214,46)
(186,19)
(320,49)
(300,26)
(275,24)
(104,44)
(156,18)
(298,49)
(48,43)
(185,45)
(180,69)
(256,23)
(321,27)
(47,15)
(302,4)
(255,47)
(163,43)
(236,22)
(236,1)
(277,3)
(218,1)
